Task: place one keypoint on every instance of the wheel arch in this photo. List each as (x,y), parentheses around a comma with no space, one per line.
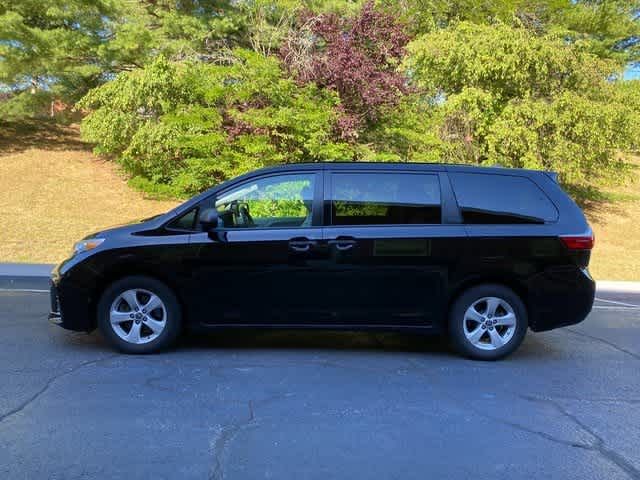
(120,271)
(511,282)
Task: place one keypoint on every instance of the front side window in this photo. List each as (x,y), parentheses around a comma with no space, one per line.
(501,199)
(385,199)
(279,201)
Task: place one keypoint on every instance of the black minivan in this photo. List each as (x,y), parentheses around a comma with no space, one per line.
(481,254)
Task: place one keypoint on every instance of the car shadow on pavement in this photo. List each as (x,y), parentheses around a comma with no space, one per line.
(314,340)
(317,340)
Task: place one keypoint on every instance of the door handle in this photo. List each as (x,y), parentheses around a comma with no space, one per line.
(343,244)
(301,244)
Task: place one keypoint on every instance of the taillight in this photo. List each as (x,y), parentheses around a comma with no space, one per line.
(578,242)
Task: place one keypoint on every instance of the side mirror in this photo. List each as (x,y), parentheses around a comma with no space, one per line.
(209,219)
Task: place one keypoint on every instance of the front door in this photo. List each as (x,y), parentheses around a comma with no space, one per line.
(261,264)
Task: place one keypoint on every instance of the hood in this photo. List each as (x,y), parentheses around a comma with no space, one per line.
(129,227)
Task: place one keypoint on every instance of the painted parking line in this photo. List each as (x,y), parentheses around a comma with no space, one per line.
(613,308)
(27,290)
(617,303)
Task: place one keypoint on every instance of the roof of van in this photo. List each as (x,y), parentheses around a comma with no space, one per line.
(452,167)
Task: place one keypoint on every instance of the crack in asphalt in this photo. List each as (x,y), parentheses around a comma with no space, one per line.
(225,437)
(227,434)
(539,433)
(630,401)
(508,423)
(50,382)
(599,445)
(606,342)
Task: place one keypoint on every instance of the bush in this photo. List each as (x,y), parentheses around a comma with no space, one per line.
(189,125)
(506,95)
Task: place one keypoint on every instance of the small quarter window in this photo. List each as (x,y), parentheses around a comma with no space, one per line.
(385,199)
(501,199)
(185,222)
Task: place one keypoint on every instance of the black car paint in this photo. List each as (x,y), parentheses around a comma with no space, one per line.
(400,277)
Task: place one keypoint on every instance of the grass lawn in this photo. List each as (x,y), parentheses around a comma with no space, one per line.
(616,224)
(53,191)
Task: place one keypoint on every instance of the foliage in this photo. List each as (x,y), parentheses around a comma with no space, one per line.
(357,57)
(512,97)
(609,29)
(188,125)
(39,39)
(509,62)
(61,50)
(187,93)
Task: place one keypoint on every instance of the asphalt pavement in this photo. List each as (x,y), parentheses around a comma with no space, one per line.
(319,405)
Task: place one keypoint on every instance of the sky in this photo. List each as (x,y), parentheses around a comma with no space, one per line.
(632,73)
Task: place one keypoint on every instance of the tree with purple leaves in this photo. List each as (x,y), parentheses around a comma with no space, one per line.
(357,57)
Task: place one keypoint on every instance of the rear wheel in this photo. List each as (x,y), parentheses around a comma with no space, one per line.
(487,322)
(139,315)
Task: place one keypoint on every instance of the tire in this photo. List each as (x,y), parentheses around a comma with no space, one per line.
(146,330)
(487,322)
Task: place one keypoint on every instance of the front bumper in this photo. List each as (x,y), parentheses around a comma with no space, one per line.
(70,304)
(55,316)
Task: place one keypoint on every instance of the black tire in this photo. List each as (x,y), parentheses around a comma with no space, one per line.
(457,321)
(172,321)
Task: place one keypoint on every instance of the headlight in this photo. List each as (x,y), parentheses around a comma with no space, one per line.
(86,245)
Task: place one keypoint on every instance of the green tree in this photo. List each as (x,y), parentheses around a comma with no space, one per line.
(607,28)
(51,49)
(141,30)
(179,127)
(47,48)
(506,95)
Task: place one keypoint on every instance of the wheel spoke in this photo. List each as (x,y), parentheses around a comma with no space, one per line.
(119,317)
(508,320)
(473,314)
(134,334)
(131,298)
(492,305)
(474,337)
(155,325)
(153,303)
(496,339)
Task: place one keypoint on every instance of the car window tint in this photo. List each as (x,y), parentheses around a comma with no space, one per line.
(499,199)
(282,201)
(385,199)
(184,222)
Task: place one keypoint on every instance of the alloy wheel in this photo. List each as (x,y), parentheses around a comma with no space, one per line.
(138,316)
(489,323)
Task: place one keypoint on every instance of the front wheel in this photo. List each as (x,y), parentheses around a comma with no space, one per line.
(139,315)
(487,322)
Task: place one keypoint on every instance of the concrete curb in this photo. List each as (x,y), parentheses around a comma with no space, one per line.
(25,276)
(614,286)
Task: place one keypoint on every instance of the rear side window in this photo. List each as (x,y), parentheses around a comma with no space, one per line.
(499,199)
(384,199)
